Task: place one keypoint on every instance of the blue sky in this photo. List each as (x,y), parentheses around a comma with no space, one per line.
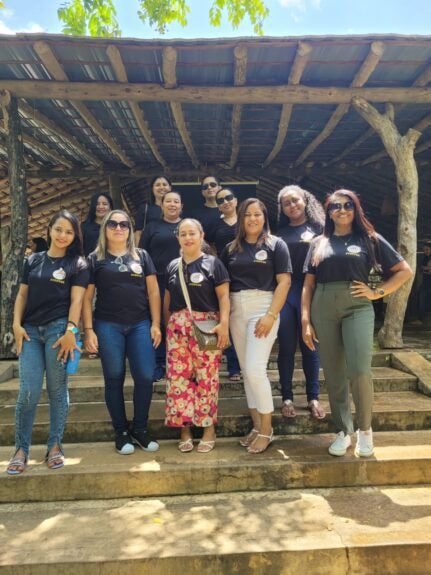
(287,18)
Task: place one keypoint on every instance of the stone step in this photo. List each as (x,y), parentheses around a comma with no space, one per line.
(96,471)
(360,531)
(88,422)
(84,388)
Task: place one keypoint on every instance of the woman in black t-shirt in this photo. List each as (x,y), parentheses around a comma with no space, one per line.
(152,211)
(160,241)
(100,204)
(337,311)
(259,268)
(301,219)
(126,324)
(192,388)
(46,315)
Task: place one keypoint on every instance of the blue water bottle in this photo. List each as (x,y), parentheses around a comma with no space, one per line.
(72,364)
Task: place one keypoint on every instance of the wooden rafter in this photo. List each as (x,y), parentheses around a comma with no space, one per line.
(120,72)
(54,68)
(30,113)
(302,56)
(170,79)
(369,65)
(421,81)
(142,92)
(240,78)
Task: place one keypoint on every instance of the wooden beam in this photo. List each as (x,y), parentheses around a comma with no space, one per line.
(121,76)
(369,65)
(30,113)
(421,81)
(54,68)
(240,78)
(115,191)
(170,79)
(14,238)
(139,92)
(302,56)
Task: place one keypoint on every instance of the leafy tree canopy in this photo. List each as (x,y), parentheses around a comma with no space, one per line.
(99,17)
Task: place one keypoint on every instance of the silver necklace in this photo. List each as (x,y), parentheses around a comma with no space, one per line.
(51,259)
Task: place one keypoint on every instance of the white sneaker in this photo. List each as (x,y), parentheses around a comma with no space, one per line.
(364,443)
(340,445)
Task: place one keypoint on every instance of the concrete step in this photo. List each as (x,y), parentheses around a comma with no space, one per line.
(84,388)
(96,471)
(360,531)
(88,422)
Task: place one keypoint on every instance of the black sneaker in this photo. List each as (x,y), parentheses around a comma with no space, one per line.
(124,443)
(144,440)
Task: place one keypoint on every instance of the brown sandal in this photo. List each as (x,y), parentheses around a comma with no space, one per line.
(316,410)
(288,409)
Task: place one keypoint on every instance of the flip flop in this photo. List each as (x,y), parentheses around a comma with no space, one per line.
(288,409)
(316,410)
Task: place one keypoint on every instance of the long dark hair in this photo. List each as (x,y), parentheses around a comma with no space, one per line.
(75,248)
(40,243)
(238,243)
(93,205)
(360,226)
(313,208)
(153,181)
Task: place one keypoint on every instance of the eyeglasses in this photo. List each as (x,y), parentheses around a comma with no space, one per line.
(338,206)
(113,225)
(209,185)
(226,198)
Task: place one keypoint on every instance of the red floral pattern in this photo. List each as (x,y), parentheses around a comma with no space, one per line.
(192,375)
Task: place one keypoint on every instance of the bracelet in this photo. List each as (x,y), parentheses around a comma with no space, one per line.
(272,314)
(72,322)
(87,328)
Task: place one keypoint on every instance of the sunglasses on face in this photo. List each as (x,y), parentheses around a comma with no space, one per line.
(113,225)
(210,185)
(226,198)
(338,206)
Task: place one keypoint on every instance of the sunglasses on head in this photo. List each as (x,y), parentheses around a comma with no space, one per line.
(337,206)
(113,225)
(209,185)
(226,198)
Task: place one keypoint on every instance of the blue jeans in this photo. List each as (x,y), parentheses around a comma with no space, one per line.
(116,342)
(37,356)
(232,360)
(288,334)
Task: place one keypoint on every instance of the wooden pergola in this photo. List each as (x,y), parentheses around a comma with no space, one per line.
(82,115)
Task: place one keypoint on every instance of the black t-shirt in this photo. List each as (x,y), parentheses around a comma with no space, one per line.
(154,214)
(90,236)
(160,241)
(426,276)
(50,281)
(256,267)
(121,295)
(346,258)
(208,217)
(221,235)
(202,277)
(298,240)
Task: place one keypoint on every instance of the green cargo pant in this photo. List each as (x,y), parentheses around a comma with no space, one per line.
(344,326)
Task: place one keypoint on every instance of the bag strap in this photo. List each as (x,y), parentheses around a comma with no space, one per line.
(184,285)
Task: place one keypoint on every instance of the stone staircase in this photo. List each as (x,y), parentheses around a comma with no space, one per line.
(293,509)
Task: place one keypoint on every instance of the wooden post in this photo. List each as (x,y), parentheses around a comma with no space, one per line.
(401,151)
(14,239)
(115,191)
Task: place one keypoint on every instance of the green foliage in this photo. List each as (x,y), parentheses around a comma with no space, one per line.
(99,17)
(89,17)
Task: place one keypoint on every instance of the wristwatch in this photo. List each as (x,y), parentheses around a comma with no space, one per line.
(73,329)
(379,291)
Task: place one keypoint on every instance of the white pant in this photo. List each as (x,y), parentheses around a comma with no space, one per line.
(247,307)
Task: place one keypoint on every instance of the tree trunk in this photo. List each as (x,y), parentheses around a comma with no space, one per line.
(14,239)
(401,150)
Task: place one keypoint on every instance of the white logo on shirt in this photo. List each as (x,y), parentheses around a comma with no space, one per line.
(261,256)
(136,268)
(354,249)
(59,274)
(307,236)
(197,278)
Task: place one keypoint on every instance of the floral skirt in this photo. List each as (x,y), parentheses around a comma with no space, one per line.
(192,375)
